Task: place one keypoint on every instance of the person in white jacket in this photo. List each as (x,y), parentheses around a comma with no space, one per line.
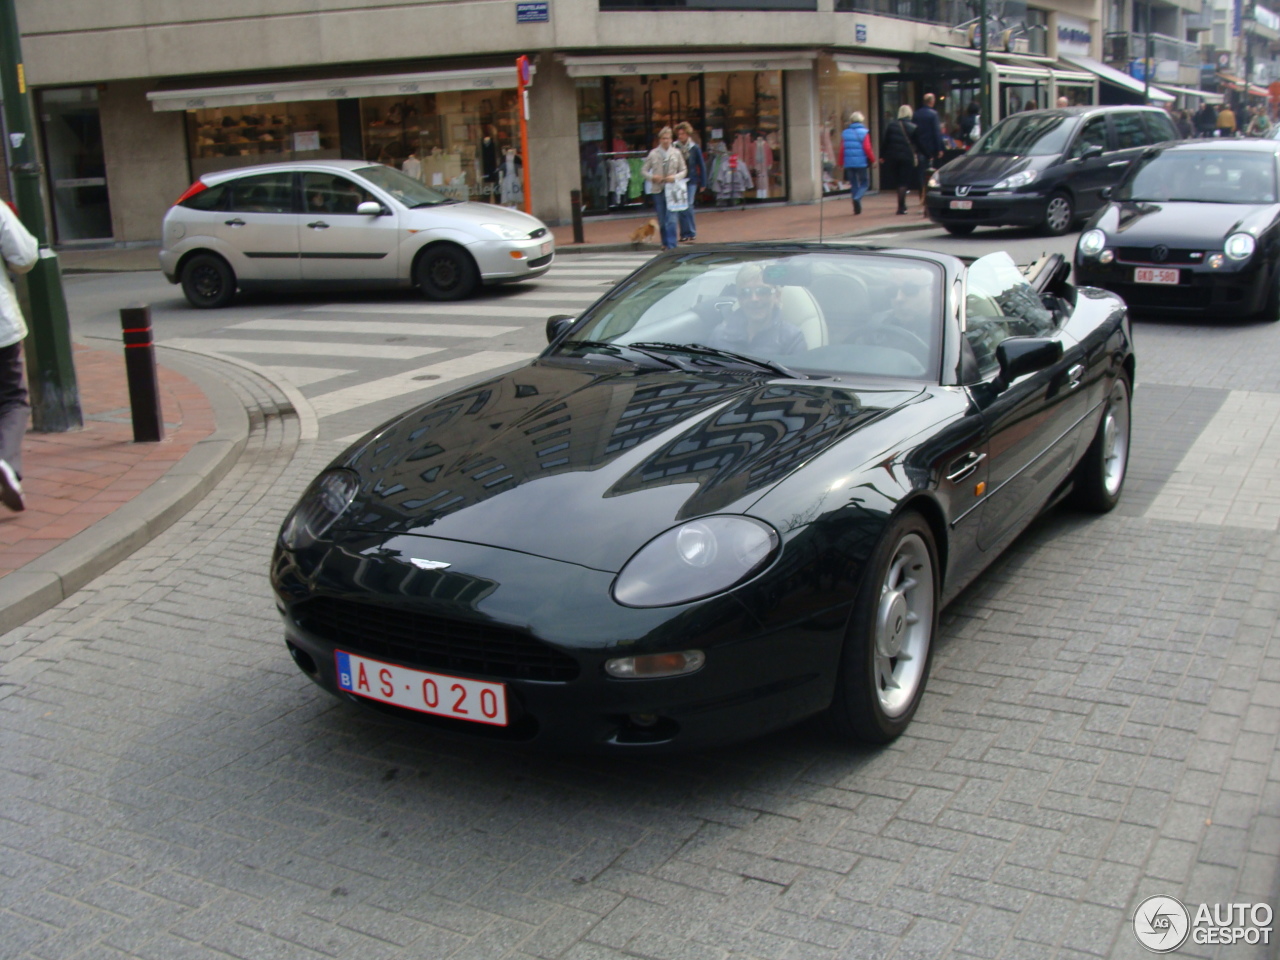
(20,251)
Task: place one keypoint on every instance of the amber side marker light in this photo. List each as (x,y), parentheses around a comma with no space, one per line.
(980,489)
(655,665)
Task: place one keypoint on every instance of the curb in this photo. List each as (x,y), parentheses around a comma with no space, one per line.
(49,579)
(575,248)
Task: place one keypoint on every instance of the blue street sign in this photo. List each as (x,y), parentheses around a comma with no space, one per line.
(860,33)
(532,11)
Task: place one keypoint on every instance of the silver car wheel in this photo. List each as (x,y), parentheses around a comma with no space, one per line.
(904,625)
(1115,438)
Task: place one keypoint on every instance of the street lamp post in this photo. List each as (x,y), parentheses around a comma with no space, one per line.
(984,86)
(51,375)
(1146,56)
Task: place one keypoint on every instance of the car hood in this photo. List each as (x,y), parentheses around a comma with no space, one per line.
(1182,224)
(987,169)
(469,215)
(571,463)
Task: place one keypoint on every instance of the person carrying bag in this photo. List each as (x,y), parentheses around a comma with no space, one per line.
(664,165)
(898,153)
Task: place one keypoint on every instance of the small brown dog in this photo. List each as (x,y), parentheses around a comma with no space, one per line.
(647,232)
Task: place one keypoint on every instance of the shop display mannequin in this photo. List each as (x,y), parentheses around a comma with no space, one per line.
(489,167)
(511,189)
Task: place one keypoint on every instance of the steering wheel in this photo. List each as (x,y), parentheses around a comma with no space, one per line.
(892,335)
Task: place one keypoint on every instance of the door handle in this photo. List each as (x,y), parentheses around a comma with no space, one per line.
(237,222)
(318,225)
(1074,376)
(965,466)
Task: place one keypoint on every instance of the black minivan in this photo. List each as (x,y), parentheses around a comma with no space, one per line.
(1043,168)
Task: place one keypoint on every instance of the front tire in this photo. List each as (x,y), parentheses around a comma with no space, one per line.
(446,272)
(208,282)
(889,644)
(958,229)
(1059,214)
(1100,476)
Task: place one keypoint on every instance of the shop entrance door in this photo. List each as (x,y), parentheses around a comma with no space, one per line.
(72,132)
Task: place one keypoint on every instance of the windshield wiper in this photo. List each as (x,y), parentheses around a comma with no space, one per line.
(616,348)
(701,349)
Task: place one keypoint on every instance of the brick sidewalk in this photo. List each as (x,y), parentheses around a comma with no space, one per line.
(71,480)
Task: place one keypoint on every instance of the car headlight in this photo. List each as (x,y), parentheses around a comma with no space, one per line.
(1017,180)
(695,560)
(319,509)
(934,182)
(1240,246)
(1091,243)
(505,232)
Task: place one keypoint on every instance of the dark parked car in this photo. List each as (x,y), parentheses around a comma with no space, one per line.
(1194,227)
(1044,168)
(732,494)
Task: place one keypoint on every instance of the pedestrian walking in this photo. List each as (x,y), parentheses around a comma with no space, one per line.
(859,158)
(971,123)
(1183,122)
(1260,125)
(899,154)
(928,141)
(20,251)
(1226,122)
(1206,120)
(696,164)
(664,164)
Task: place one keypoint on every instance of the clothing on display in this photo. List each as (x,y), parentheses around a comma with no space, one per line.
(412,167)
(511,187)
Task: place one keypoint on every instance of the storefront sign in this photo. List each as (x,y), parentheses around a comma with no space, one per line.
(532,11)
(1266,18)
(1074,36)
(860,33)
(306,140)
(590,130)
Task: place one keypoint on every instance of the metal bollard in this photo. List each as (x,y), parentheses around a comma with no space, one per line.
(140,370)
(575,201)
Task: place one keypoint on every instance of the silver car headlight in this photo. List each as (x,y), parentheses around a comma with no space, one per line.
(694,560)
(1091,243)
(319,509)
(1240,246)
(505,232)
(1017,180)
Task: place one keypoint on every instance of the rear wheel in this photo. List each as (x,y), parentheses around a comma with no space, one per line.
(959,229)
(1059,214)
(1100,476)
(208,281)
(446,272)
(885,662)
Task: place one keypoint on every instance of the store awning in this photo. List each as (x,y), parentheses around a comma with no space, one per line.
(1204,95)
(1232,82)
(1012,67)
(485,78)
(625,65)
(851,63)
(1119,79)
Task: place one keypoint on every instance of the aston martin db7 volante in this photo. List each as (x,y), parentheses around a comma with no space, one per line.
(732,494)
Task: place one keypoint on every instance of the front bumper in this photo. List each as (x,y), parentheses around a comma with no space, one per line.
(754,680)
(507,261)
(1014,209)
(1227,291)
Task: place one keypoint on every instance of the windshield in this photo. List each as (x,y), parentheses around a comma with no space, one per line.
(1208,176)
(401,186)
(826,313)
(1028,135)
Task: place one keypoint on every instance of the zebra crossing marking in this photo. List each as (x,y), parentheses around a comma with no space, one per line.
(373,327)
(303,348)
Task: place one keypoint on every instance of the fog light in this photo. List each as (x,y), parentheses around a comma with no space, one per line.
(517,254)
(644,719)
(1106,256)
(1216,260)
(655,665)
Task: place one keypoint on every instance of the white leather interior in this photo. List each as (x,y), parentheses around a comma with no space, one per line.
(801,309)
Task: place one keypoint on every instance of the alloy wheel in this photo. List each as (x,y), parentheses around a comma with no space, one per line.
(904,624)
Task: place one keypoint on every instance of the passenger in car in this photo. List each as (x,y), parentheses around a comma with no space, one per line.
(756,325)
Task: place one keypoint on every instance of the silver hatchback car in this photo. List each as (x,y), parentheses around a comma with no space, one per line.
(341,222)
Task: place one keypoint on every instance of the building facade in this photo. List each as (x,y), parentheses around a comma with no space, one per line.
(136,99)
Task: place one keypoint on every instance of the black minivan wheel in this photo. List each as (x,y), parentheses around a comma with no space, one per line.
(1059,214)
(959,229)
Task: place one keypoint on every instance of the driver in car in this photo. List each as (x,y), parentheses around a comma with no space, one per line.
(911,311)
(756,326)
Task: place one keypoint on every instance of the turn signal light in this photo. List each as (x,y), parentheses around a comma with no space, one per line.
(517,254)
(655,665)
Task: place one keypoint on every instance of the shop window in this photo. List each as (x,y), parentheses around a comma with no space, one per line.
(221,138)
(72,131)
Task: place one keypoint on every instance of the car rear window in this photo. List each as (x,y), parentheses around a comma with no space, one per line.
(263,193)
(212,198)
(1130,132)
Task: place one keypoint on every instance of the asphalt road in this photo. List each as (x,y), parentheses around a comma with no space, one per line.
(1101,726)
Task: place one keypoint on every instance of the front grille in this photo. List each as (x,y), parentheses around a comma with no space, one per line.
(540,261)
(433,643)
(541,231)
(1144,255)
(972,192)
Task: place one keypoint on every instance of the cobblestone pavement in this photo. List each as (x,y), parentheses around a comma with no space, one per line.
(1101,726)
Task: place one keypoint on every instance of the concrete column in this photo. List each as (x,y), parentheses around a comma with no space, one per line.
(146,159)
(553,140)
(804,158)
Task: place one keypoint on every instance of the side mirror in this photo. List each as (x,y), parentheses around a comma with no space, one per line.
(1019,356)
(1105,193)
(371,208)
(557,325)
(1090,152)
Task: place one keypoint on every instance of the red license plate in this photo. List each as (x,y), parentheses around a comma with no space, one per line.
(1156,275)
(437,693)
(961,204)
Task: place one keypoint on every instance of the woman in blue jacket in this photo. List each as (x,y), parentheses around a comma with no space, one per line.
(858,158)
